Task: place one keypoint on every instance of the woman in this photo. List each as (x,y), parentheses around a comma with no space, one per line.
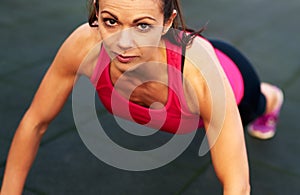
(134,34)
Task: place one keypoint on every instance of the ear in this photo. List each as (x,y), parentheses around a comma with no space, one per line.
(169,23)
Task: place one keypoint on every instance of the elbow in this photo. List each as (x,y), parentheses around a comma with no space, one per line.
(241,189)
(248,189)
(245,189)
(34,123)
(41,128)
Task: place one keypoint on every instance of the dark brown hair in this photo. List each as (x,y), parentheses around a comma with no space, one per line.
(167,8)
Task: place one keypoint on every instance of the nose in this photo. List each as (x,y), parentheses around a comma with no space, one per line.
(126,40)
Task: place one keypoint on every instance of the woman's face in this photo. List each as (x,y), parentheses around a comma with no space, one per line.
(131,29)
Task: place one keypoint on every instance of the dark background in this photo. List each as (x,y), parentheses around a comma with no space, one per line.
(267,31)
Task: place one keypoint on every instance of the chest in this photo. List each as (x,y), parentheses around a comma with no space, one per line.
(148,94)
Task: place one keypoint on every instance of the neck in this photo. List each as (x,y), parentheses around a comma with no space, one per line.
(145,84)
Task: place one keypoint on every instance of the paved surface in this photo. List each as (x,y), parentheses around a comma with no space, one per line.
(267,31)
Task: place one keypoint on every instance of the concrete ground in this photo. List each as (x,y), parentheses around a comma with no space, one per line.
(266,31)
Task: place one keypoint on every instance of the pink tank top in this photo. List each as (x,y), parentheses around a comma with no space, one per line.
(175,117)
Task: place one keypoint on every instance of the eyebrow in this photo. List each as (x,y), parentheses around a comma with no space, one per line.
(134,21)
(107,12)
(142,18)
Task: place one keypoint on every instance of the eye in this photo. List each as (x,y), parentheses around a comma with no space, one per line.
(110,22)
(143,27)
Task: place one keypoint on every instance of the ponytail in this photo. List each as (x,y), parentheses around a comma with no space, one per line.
(179,24)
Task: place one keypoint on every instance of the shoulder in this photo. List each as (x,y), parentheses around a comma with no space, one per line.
(203,74)
(84,36)
(75,48)
(200,59)
(201,47)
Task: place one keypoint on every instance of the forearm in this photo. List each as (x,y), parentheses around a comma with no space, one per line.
(234,180)
(229,157)
(237,190)
(237,186)
(232,168)
(21,156)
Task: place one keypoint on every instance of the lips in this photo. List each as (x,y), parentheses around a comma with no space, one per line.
(125,59)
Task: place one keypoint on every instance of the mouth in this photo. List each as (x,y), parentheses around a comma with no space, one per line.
(124,58)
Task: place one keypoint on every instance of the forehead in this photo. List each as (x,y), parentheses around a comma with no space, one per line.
(134,6)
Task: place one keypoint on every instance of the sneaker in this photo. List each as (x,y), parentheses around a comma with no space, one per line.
(264,127)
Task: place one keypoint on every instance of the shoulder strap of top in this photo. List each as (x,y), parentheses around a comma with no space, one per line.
(183,49)
(102,63)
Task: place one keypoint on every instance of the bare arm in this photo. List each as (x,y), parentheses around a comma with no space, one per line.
(228,152)
(47,103)
(221,119)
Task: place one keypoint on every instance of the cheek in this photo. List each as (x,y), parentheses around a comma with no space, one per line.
(147,53)
(108,38)
(101,30)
